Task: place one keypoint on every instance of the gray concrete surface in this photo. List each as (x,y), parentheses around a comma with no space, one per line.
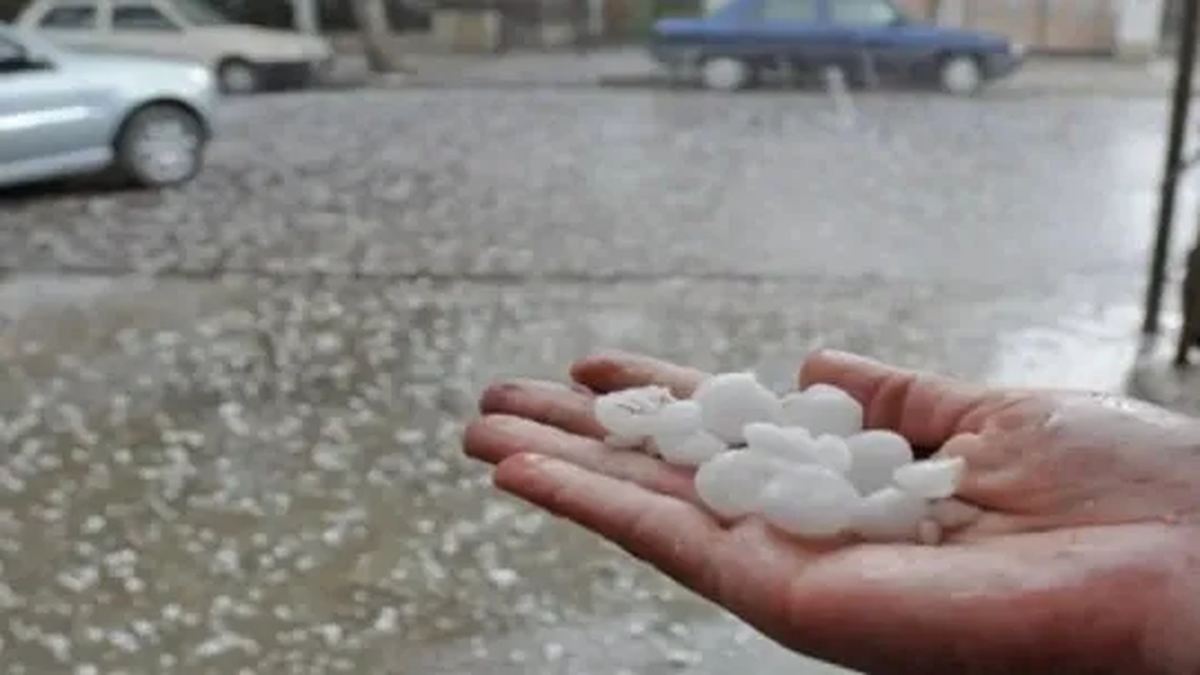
(231,412)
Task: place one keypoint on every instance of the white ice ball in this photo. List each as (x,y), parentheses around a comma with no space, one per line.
(631,413)
(691,449)
(730,401)
(731,482)
(788,443)
(809,501)
(874,458)
(833,452)
(679,418)
(954,514)
(823,409)
(795,444)
(931,479)
(890,514)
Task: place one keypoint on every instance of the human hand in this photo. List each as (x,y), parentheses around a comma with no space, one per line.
(1085,559)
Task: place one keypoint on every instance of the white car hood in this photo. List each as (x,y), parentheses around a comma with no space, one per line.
(122,68)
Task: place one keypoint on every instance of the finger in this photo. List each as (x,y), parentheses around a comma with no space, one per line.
(550,403)
(927,409)
(614,370)
(668,533)
(496,438)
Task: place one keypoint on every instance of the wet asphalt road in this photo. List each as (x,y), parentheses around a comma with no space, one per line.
(249,463)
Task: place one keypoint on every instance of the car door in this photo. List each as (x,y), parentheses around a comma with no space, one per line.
(799,31)
(146,27)
(883,46)
(50,123)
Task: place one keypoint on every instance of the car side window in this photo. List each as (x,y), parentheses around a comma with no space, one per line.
(140,17)
(863,12)
(69,17)
(791,10)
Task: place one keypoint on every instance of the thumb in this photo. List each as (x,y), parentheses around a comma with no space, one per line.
(926,409)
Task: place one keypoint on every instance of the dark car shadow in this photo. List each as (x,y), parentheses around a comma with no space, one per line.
(60,187)
(775,83)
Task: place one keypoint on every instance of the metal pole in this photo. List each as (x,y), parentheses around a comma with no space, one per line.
(305,16)
(1185,67)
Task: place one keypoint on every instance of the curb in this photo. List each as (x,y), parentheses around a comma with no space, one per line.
(1003,89)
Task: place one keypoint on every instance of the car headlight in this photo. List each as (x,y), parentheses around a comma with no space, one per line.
(200,76)
(1017,49)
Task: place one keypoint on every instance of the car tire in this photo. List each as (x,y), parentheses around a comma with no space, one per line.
(723,73)
(161,145)
(238,77)
(960,75)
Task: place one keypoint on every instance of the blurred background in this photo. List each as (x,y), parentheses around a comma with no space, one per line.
(258,259)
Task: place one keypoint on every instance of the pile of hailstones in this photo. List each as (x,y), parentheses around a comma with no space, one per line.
(802,462)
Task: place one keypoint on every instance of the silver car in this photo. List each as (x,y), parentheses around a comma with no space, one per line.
(64,113)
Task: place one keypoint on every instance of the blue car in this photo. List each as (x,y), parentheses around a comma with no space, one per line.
(866,40)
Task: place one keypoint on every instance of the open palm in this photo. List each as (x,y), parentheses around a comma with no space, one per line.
(1086,558)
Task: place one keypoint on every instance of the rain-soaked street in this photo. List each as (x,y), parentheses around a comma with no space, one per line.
(231,413)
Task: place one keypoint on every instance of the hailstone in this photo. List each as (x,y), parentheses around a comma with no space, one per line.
(809,501)
(875,456)
(730,483)
(931,479)
(631,413)
(678,418)
(793,444)
(953,514)
(730,401)
(890,514)
(823,409)
(834,453)
(691,449)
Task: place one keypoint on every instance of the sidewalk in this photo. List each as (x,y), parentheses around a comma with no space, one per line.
(631,67)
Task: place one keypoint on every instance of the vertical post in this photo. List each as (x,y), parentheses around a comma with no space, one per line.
(305,17)
(1185,67)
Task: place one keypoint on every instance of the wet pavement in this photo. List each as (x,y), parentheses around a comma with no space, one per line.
(232,412)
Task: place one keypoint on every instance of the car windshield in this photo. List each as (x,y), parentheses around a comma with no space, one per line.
(33,43)
(200,13)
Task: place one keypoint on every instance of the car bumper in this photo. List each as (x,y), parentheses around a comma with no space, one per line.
(996,66)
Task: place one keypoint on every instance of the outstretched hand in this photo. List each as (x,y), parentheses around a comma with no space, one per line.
(1086,558)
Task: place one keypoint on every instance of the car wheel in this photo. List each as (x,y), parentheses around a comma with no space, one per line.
(960,75)
(236,76)
(726,74)
(160,146)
